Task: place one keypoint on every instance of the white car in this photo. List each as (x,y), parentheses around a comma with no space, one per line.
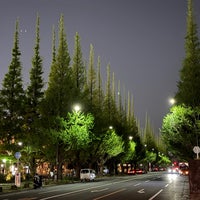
(87,175)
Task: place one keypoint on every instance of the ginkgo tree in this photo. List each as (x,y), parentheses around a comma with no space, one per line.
(77,133)
(108,145)
(180,131)
(77,136)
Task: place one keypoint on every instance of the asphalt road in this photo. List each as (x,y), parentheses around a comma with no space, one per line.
(151,186)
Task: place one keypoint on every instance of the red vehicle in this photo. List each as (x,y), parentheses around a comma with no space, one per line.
(131,172)
(155,169)
(140,171)
(184,170)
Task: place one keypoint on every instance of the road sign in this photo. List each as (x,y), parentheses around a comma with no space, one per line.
(17,155)
(17,179)
(196,149)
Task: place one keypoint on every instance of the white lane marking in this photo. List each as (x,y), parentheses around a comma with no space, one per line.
(101,197)
(147,181)
(166,185)
(100,190)
(26,198)
(137,184)
(141,191)
(156,194)
(67,193)
(85,189)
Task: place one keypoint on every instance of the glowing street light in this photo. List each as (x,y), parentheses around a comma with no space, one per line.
(77,108)
(130,137)
(20,143)
(172,101)
(110,127)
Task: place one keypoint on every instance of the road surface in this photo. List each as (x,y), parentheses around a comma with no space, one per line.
(151,186)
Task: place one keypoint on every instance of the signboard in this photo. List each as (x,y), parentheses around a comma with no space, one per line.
(17,155)
(17,173)
(196,150)
(17,179)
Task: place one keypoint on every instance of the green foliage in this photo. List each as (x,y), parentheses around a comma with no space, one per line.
(164,160)
(179,130)
(91,79)
(77,133)
(149,137)
(106,146)
(129,152)
(50,131)
(57,96)
(139,150)
(77,67)
(31,129)
(34,90)
(150,156)
(189,84)
(12,96)
(113,144)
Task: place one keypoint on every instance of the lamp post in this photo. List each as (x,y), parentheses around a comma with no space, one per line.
(17,173)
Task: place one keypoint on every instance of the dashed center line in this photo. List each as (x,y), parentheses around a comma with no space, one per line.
(101,197)
(137,184)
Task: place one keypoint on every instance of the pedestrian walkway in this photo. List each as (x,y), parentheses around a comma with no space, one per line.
(185,195)
(185,192)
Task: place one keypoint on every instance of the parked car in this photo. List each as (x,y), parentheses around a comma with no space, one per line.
(155,169)
(87,175)
(140,171)
(131,172)
(162,169)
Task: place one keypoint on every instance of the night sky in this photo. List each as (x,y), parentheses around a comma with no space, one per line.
(143,40)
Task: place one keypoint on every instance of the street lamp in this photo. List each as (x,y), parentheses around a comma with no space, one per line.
(130,138)
(110,127)
(172,101)
(77,108)
(17,173)
(20,143)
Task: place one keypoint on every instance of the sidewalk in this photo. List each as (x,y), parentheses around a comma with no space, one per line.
(185,195)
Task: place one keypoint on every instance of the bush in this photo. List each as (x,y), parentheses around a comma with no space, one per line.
(2,178)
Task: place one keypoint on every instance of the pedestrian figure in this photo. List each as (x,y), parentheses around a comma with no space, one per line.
(37,181)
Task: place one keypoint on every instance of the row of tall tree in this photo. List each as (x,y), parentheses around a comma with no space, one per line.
(181,127)
(44,118)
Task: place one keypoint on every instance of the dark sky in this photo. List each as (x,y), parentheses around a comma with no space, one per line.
(143,40)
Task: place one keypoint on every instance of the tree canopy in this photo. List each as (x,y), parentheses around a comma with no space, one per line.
(180,131)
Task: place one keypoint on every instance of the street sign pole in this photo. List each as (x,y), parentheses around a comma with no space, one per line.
(17,173)
(196,150)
